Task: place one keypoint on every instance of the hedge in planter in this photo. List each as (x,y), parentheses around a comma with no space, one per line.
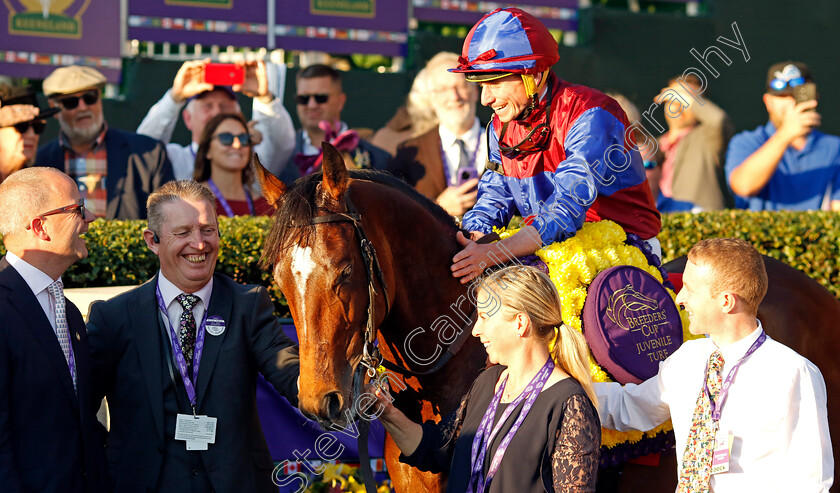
(808,241)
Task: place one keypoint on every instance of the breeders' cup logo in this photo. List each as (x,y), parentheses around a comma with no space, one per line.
(627,302)
(47,18)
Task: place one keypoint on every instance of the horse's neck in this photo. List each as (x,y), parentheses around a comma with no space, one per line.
(428,305)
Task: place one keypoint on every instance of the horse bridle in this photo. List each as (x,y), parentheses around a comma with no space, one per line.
(371,356)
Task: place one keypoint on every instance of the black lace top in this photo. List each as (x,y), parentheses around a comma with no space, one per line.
(556,448)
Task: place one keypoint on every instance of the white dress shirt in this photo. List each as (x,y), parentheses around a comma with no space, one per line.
(38,282)
(472,143)
(274,122)
(776,411)
(169,292)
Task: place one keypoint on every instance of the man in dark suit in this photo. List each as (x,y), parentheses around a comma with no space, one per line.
(444,163)
(183,349)
(49,438)
(115,170)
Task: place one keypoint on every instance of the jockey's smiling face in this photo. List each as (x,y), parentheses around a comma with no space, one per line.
(505,96)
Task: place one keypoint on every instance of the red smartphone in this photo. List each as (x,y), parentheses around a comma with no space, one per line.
(224,74)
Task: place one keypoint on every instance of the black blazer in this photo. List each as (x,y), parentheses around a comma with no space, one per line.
(50,440)
(125,335)
(137,166)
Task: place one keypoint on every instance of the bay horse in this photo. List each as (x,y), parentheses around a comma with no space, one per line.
(323,268)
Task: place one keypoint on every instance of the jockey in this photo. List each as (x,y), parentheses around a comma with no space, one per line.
(559,154)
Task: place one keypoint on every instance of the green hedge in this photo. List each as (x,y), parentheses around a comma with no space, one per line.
(807,241)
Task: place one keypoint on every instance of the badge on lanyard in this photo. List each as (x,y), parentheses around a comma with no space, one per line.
(722,451)
(197,431)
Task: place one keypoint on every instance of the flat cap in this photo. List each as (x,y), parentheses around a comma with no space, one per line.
(70,79)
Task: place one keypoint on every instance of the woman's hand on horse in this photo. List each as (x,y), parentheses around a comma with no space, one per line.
(470,262)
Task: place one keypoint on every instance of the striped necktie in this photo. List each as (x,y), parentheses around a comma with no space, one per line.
(62,330)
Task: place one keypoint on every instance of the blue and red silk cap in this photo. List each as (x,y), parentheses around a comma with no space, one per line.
(506,41)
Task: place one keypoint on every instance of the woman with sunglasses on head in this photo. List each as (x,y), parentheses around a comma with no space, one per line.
(558,153)
(528,424)
(21,125)
(223,163)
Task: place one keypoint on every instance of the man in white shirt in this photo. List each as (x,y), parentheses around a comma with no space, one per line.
(204,101)
(49,438)
(444,163)
(772,406)
(184,349)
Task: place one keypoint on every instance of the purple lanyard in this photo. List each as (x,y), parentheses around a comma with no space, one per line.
(224,203)
(484,436)
(180,360)
(445,161)
(72,360)
(717,405)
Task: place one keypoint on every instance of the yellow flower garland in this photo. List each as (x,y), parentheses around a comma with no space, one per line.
(572,266)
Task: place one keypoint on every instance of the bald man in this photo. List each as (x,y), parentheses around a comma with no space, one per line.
(49,438)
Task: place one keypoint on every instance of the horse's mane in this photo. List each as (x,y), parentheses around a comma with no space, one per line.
(291,222)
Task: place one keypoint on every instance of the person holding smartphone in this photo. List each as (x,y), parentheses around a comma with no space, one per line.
(202,90)
(445,162)
(786,164)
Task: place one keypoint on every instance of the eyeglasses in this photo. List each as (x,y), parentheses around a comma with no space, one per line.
(71,102)
(77,208)
(781,84)
(38,126)
(226,138)
(303,99)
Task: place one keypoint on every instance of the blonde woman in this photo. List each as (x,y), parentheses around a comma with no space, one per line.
(529,423)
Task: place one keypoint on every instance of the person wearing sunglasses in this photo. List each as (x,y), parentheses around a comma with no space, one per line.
(559,153)
(21,124)
(51,441)
(223,164)
(197,101)
(786,164)
(115,170)
(320,99)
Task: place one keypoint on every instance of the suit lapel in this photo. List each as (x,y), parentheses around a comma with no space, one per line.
(145,327)
(38,325)
(221,304)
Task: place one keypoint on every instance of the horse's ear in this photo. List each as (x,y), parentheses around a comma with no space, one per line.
(336,176)
(272,187)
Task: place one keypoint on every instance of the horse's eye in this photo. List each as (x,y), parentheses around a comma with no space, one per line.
(345,274)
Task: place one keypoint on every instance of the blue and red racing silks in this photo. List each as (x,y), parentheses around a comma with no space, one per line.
(588,170)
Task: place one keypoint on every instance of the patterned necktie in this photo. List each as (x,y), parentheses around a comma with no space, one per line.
(186,335)
(62,330)
(464,161)
(697,459)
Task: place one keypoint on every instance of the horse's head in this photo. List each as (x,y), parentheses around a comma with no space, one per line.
(317,258)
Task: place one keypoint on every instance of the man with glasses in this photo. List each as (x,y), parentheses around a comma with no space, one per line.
(202,101)
(559,153)
(786,163)
(51,441)
(320,99)
(21,124)
(115,170)
(444,163)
